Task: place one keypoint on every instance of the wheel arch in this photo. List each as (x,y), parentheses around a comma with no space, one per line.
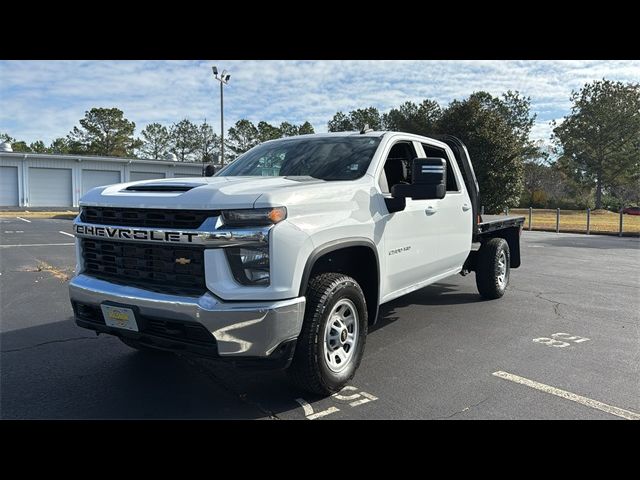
(351,256)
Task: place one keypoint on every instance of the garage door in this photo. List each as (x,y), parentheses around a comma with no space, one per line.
(97,178)
(50,187)
(8,186)
(135,176)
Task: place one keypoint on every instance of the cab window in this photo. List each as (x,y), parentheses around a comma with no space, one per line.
(431,151)
(397,166)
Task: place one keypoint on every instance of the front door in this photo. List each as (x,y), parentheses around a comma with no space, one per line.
(411,236)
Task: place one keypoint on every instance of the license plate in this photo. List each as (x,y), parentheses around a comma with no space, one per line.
(119,317)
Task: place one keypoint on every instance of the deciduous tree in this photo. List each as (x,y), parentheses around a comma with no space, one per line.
(599,140)
(496,133)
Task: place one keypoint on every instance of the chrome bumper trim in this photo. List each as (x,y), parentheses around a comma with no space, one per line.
(252,329)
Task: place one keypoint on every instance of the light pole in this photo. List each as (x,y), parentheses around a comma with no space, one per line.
(223,78)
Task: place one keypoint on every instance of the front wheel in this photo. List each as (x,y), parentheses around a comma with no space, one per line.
(493,268)
(331,343)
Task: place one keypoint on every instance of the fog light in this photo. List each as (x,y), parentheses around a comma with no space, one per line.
(250,266)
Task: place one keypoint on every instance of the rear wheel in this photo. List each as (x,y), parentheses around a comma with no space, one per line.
(331,343)
(492,268)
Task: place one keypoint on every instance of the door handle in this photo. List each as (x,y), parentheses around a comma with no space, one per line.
(465,207)
(430,210)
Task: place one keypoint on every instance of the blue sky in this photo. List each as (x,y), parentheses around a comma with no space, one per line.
(45,99)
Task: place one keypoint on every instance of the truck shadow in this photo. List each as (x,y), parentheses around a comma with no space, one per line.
(439,294)
(59,371)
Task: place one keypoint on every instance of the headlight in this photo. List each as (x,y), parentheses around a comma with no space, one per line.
(250,266)
(253,217)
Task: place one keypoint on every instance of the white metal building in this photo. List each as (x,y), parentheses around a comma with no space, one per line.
(45,180)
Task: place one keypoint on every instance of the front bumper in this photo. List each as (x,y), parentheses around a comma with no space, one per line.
(240,329)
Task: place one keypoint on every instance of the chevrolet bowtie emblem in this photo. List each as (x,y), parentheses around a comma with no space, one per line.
(183,261)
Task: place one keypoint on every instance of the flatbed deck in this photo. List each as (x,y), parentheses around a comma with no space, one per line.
(491,223)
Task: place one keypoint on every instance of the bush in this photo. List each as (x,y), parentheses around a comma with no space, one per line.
(612,203)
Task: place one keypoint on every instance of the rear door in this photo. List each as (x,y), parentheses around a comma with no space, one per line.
(411,236)
(454,212)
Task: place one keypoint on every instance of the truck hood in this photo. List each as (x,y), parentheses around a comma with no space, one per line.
(197,192)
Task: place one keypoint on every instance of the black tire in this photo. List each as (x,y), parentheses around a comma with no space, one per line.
(142,347)
(309,370)
(487,269)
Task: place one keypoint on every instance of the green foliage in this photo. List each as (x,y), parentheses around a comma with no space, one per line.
(155,141)
(184,140)
(20,146)
(289,130)
(266,131)
(16,146)
(244,135)
(356,120)
(612,203)
(539,199)
(104,131)
(495,130)
(599,141)
(496,133)
(412,118)
(340,123)
(305,129)
(60,146)
(38,147)
(208,143)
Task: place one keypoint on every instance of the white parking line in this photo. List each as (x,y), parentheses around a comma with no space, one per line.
(619,412)
(36,245)
(24,219)
(65,233)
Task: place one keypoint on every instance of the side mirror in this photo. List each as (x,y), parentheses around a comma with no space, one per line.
(209,171)
(428,180)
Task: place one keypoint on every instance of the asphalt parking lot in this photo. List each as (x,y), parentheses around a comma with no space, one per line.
(563,343)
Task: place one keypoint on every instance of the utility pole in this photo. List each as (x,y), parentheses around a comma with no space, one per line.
(223,78)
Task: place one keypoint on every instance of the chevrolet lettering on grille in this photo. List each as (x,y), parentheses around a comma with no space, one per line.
(134,234)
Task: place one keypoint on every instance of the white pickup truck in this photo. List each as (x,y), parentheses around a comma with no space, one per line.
(283,258)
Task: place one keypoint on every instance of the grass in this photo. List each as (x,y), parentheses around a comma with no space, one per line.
(602,221)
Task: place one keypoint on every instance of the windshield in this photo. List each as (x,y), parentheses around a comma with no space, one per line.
(327,158)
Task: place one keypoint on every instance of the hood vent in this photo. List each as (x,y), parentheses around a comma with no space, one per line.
(163,187)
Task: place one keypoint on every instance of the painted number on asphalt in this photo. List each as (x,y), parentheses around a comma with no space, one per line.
(353,399)
(356,398)
(560,340)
